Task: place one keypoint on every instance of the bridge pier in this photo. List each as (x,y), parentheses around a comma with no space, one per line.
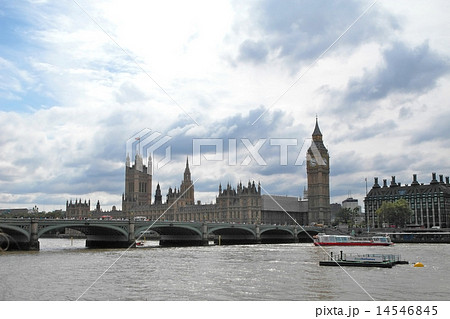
(258,234)
(204,234)
(131,234)
(34,242)
(296,234)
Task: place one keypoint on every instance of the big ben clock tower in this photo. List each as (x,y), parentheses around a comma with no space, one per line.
(318,172)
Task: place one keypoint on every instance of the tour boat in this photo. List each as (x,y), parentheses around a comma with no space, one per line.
(345,240)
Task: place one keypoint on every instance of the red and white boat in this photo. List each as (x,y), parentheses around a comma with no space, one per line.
(345,240)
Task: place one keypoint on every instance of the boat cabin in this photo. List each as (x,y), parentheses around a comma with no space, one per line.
(381,239)
(333,238)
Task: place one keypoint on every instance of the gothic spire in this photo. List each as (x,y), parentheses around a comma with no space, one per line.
(187,171)
(127,161)
(317,129)
(150,165)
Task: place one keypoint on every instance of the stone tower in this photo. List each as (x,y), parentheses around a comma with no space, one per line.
(158,196)
(138,184)
(186,187)
(318,172)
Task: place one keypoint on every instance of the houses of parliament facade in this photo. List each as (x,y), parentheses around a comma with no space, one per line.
(240,204)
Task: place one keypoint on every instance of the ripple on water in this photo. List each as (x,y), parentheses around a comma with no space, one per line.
(63,270)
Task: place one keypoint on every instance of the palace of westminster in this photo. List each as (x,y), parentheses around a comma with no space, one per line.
(430,204)
(242,204)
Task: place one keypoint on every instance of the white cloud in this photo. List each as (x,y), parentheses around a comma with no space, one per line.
(77,83)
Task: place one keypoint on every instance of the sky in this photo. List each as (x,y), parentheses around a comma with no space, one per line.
(234,86)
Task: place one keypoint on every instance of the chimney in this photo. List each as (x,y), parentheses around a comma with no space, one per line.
(415,182)
(441,179)
(384,182)
(375,184)
(433,178)
(393,183)
(447,180)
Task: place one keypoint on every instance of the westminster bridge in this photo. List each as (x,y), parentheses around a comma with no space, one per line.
(24,234)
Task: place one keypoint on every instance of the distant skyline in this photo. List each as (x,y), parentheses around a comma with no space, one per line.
(80,78)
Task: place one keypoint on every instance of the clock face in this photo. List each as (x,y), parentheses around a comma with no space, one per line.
(311,160)
(314,162)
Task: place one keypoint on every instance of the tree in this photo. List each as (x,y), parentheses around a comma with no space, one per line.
(396,213)
(344,215)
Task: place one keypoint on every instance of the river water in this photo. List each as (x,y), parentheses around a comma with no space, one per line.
(65,270)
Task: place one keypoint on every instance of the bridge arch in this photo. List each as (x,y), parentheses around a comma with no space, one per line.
(274,235)
(170,229)
(175,233)
(277,229)
(86,228)
(15,231)
(226,228)
(233,234)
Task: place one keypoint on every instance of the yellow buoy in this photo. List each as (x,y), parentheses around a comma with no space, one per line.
(418,264)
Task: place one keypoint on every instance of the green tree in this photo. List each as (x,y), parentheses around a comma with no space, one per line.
(344,215)
(396,213)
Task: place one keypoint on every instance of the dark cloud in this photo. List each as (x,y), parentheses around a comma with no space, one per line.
(434,130)
(405,70)
(374,130)
(350,161)
(302,30)
(253,51)
(276,124)
(405,112)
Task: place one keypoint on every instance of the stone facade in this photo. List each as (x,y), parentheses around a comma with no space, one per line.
(282,210)
(430,203)
(242,204)
(318,174)
(78,210)
(138,183)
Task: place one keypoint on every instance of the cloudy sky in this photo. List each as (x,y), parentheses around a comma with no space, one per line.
(78,79)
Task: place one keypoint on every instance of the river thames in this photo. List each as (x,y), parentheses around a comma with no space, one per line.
(66,270)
